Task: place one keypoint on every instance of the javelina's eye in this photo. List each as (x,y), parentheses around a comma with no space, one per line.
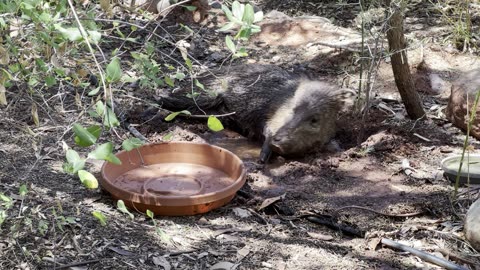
(313,121)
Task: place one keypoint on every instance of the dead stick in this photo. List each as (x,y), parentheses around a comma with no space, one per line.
(455,257)
(378,212)
(176,253)
(76,264)
(135,132)
(423,255)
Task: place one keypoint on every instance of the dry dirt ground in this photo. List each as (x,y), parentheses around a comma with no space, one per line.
(394,168)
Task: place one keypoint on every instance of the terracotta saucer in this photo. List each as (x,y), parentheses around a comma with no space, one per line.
(175,178)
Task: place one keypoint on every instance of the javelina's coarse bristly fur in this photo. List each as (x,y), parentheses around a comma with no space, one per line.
(290,113)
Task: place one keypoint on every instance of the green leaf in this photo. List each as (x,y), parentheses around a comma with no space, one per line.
(186,28)
(227,27)
(94,36)
(214,124)
(193,95)
(22,191)
(102,151)
(188,62)
(5,198)
(199,85)
(131,143)
(83,136)
(242,52)
(74,162)
(111,119)
(237,10)
(122,208)
(180,76)
(248,14)
(100,217)
(42,226)
(73,34)
(93,114)
(113,159)
(88,179)
(169,81)
(255,29)
(191,8)
(230,44)
(100,108)
(244,33)
(94,91)
(228,13)
(150,214)
(138,56)
(172,116)
(50,81)
(114,72)
(32,81)
(94,130)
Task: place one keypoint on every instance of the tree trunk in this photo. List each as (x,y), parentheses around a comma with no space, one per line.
(401,70)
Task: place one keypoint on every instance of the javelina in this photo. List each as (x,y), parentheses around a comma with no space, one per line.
(288,112)
(461,100)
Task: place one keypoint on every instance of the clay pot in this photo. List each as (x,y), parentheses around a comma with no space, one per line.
(175,179)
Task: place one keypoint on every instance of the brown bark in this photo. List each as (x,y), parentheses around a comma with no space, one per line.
(401,70)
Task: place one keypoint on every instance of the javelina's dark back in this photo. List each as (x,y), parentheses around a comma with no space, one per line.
(289,113)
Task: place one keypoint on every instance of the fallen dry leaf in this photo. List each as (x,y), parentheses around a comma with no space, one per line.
(270,201)
(241,213)
(121,251)
(3,97)
(224,266)
(4,56)
(161,261)
(35,115)
(242,253)
(320,236)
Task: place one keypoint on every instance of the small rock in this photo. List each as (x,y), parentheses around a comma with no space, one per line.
(276,58)
(446,149)
(438,175)
(275,191)
(275,221)
(216,57)
(216,5)
(333,146)
(472,225)
(203,221)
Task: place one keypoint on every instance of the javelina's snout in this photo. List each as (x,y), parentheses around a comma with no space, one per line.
(295,143)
